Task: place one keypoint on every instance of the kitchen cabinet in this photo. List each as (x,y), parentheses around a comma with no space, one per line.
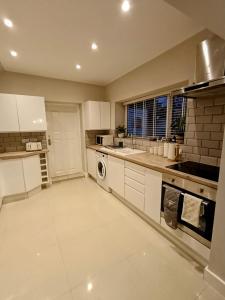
(32,172)
(105,115)
(153,186)
(12,177)
(18,176)
(8,113)
(31,113)
(97,115)
(91,162)
(116,175)
(135,185)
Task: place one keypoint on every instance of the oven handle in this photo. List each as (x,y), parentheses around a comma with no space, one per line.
(205,203)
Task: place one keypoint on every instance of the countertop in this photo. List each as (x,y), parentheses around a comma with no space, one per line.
(157,163)
(20,154)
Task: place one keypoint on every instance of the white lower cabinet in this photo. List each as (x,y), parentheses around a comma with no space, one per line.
(116,175)
(153,186)
(91,162)
(135,185)
(12,177)
(134,197)
(32,172)
(18,176)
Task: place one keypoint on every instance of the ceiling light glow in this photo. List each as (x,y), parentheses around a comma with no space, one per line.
(125,6)
(89,286)
(13,53)
(8,23)
(94,46)
(78,67)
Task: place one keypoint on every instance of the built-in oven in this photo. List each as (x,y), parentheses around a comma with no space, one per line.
(202,233)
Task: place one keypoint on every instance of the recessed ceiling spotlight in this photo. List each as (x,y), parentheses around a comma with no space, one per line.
(125,6)
(78,67)
(13,53)
(8,23)
(94,46)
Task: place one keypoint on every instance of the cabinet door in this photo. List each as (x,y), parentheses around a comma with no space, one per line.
(135,197)
(92,115)
(91,162)
(32,172)
(116,175)
(12,177)
(105,115)
(8,113)
(31,113)
(153,188)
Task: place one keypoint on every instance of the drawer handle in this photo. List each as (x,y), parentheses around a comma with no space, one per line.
(201,190)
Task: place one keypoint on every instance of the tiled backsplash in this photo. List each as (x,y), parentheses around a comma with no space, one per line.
(204,130)
(10,142)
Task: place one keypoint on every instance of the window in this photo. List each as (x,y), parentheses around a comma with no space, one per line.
(149,118)
(179,107)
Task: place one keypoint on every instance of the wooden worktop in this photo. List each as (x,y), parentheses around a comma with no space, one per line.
(20,154)
(157,163)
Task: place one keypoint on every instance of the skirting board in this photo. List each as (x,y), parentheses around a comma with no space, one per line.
(215,281)
(67,177)
(23,196)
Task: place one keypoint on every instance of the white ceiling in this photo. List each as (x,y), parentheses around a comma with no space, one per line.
(208,13)
(51,36)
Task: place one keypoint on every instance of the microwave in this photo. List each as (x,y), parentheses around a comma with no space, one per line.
(104,140)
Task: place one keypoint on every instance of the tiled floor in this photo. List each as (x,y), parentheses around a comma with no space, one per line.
(75,241)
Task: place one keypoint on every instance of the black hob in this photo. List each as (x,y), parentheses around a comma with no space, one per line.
(197,169)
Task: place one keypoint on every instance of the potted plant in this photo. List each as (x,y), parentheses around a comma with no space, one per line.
(178,129)
(121,130)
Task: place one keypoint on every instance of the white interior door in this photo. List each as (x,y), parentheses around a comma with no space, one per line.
(65,156)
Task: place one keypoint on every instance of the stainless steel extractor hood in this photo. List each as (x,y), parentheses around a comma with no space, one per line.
(209,71)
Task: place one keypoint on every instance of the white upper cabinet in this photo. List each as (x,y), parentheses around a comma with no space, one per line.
(22,113)
(92,115)
(8,113)
(105,115)
(31,113)
(97,115)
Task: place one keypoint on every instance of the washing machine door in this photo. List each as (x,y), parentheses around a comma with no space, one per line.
(101,169)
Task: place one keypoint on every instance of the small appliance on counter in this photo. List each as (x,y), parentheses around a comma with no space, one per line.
(104,140)
(33,146)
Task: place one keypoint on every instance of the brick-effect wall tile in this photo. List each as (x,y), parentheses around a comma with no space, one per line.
(204,130)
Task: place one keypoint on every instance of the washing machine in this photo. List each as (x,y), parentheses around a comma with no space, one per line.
(102,170)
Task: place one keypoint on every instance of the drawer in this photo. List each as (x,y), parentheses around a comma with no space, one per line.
(135,167)
(135,185)
(134,197)
(135,176)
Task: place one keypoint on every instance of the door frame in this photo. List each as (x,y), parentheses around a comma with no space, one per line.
(68,107)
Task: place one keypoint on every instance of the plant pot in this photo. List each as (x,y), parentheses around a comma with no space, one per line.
(121,135)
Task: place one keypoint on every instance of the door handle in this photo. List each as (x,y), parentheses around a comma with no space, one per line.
(49,141)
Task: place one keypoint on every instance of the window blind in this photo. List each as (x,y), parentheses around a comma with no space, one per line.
(147,118)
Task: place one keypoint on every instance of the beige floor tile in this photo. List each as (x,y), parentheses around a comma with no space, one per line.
(76,241)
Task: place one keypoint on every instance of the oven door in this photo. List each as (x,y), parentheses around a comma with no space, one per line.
(204,232)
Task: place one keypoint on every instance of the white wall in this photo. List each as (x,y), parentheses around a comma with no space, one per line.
(174,66)
(54,90)
(215,273)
